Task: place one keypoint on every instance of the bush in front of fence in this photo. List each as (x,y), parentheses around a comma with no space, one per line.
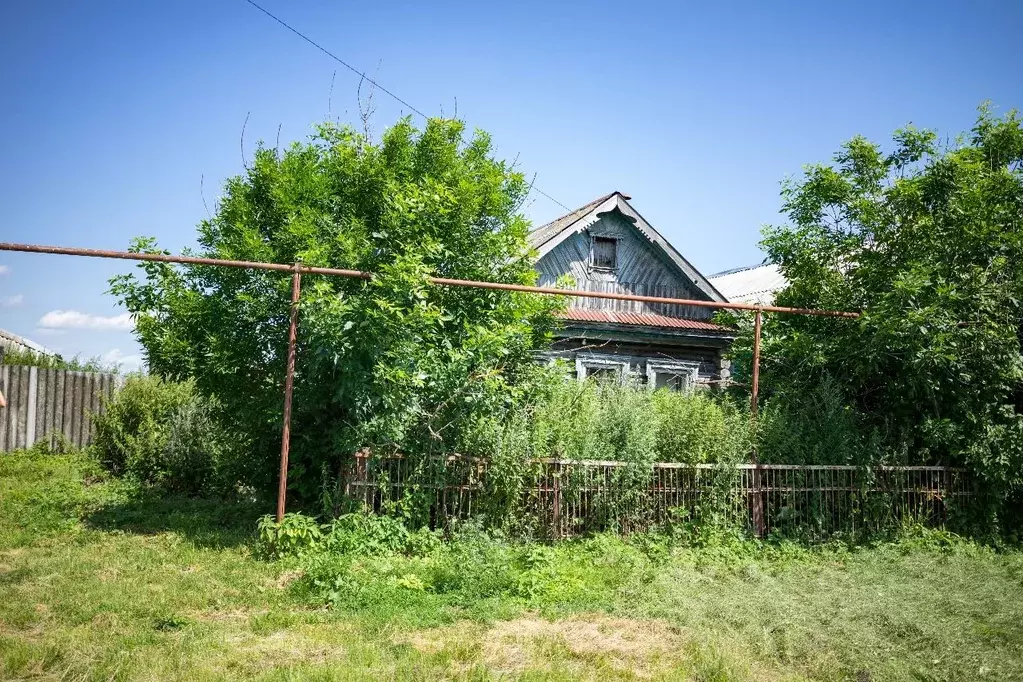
(165,435)
(596,421)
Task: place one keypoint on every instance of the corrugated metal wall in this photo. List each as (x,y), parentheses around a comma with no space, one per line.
(42,403)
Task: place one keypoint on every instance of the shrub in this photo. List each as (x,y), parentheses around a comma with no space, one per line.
(31,358)
(814,426)
(698,428)
(565,419)
(294,536)
(611,421)
(164,434)
(372,534)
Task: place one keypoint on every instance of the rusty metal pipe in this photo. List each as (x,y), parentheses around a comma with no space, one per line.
(297,270)
(755,390)
(289,382)
(444,281)
(759,525)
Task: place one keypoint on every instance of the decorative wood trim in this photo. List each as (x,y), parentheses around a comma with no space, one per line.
(603,360)
(653,367)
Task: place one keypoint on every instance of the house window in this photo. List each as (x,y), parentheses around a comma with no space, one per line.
(600,368)
(601,372)
(605,253)
(674,377)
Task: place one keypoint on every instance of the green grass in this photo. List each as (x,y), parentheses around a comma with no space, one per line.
(98,582)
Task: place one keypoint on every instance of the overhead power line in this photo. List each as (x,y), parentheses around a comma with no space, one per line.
(362,74)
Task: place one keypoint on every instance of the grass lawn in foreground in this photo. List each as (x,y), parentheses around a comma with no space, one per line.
(97,582)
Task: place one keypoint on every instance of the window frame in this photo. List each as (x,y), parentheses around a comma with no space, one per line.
(594,238)
(600,361)
(690,369)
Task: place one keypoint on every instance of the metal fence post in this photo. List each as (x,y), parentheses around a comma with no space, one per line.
(756,497)
(289,381)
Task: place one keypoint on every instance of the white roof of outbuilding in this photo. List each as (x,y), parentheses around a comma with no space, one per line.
(9,340)
(756,284)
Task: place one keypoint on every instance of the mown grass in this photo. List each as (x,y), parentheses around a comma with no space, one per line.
(100,582)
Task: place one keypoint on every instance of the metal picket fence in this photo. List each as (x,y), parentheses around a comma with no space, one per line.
(566,498)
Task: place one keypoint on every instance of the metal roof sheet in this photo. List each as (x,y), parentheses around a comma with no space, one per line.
(642,319)
(756,284)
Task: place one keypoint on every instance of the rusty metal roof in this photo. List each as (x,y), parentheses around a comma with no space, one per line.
(640,319)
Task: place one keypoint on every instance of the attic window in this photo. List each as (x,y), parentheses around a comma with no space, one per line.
(605,253)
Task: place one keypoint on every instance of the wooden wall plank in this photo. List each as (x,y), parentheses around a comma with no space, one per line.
(642,270)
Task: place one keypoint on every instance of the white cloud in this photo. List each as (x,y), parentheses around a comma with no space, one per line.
(12,301)
(40,331)
(129,363)
(4,269)
(73,319)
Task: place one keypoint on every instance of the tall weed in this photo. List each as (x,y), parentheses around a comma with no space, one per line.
(815,426)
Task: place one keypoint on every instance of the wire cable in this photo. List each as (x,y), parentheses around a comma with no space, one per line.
(362,74)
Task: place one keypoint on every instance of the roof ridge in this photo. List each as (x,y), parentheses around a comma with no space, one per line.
(739,269)
(584,207)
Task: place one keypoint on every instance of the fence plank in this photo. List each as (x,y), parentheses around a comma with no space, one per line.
(42,403)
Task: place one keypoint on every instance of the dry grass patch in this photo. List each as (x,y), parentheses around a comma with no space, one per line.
(587,645)
(282,648)
(518,644)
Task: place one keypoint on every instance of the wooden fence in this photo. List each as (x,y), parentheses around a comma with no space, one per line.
(49,404)
(565,498)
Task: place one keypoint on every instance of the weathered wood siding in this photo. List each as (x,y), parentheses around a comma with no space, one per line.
(642,270)
(43,404)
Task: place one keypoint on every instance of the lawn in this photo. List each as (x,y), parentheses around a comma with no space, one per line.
(99,582)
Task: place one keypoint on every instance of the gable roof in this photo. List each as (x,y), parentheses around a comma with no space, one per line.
(546,237)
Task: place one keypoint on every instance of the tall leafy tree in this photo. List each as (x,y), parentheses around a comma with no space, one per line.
(927,241)
(392,362)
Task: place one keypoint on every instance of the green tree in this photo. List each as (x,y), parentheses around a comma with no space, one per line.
(927,241)
(391,362)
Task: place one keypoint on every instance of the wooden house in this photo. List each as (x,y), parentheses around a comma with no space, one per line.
(608,246)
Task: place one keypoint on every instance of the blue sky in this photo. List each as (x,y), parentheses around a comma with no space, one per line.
(114,111)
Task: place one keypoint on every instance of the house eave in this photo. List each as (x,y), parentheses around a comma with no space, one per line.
(645,334)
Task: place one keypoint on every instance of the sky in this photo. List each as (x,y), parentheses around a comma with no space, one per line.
(123,119)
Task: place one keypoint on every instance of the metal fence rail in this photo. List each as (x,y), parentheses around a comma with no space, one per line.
(566,498)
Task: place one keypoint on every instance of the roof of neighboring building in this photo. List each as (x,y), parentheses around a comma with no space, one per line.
(756,284)
(546,237)
(7,340)
(642,319)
